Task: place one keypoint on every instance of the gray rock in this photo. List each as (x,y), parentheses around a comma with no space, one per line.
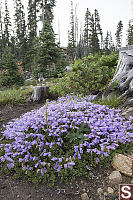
(115,177)
(84,196)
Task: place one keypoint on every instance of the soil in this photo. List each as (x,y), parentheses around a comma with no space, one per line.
(20,189)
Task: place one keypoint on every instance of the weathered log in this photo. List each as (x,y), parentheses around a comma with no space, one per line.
(124,70)
(40,93)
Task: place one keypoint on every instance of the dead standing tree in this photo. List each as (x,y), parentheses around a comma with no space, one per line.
(124,71)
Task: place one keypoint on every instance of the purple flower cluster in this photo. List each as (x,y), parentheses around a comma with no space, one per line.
(37,139)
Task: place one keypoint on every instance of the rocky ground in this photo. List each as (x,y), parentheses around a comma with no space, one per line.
(103,186)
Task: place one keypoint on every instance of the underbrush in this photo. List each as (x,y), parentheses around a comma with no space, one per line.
(14,96)
(66,138)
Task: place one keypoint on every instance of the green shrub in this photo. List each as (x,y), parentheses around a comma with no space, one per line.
(88,76)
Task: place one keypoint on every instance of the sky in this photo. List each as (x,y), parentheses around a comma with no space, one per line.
(110,11)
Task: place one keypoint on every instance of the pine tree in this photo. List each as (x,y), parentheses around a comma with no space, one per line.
(106,42)
(7,24)
(20,28)
(1,32)
(130,34)
(98,28)
(32,20)
(71,36)
(87,32)
(118,35)
(93,37)
(47,9)
(10,75)
(46,51)
(94,31)
(32,33)
(111,43)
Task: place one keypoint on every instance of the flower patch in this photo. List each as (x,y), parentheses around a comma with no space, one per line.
(67,137)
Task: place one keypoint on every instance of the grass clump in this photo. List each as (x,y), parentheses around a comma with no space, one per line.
(14,96)
(113,101)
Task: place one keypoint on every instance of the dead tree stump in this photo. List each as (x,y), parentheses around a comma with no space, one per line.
(40,93)
(124,72)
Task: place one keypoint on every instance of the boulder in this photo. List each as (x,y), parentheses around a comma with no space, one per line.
(123,164)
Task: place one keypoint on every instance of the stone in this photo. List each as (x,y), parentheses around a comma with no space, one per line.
(105,194)
(110,190)
(123,164)
(100,191)
(68,68)
(115,177)
(84,190)
(40,77)
(132,181)
(84,196)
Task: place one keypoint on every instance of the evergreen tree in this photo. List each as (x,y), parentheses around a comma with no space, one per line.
(87,32)
(10,75)
(20,28)
(46,50)
(130,34)
(1,32)
(111,43)
(32,33)
(98,28)
(93,37)
(47,10)
(106,43)
(118,35)
(32,20)
(71,36)
(7,24)
(94,32)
